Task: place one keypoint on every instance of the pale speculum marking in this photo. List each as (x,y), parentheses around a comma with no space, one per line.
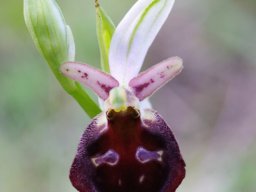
(142,178)
(119,182)
(110,158)
(143,155)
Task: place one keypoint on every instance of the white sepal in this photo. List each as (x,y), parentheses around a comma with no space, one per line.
(149,81)
(101,83)
(134,35)
(145,104)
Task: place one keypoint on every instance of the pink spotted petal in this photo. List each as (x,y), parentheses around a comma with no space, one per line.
(149,81)
(101,83)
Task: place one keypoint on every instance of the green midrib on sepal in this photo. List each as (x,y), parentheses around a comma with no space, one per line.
(142,17)
(105,29)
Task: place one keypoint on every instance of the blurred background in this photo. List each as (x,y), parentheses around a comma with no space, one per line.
(211,106)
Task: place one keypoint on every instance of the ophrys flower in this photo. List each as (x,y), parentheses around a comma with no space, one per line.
(128,147)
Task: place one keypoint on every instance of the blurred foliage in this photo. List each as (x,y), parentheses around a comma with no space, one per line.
(210,106)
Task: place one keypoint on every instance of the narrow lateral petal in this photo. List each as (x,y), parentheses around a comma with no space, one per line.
(134,35)
(149,81)
(101,83)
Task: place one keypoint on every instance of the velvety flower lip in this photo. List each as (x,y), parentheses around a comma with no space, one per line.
(150,162)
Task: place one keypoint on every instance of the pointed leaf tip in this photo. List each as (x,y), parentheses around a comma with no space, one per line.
(149,81)
(101,83)
(134,35)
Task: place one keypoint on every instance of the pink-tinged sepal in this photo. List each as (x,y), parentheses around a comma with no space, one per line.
(149,81)
(128,151)
(101,83)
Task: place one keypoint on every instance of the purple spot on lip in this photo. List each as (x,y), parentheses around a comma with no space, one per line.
(105,87)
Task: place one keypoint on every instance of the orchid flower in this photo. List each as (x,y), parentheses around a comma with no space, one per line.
(128,147)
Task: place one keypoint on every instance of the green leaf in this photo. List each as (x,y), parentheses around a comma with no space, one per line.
(105,30)
(55,42)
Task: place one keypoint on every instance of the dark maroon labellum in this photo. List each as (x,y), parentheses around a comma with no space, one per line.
(129,154)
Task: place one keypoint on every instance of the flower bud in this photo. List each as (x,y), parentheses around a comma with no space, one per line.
(55,42)
(49,31)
